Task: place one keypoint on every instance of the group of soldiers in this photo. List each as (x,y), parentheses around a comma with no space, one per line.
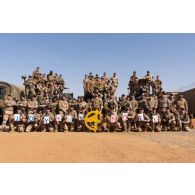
(148,110)
(145,85)
(104,86)
(44,85)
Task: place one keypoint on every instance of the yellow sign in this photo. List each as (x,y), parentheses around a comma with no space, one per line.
(92,119)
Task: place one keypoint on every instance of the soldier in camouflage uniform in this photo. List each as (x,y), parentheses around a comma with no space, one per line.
(22,103)
(149,80)
(36,73)
(143,121)
(181,103)
(71,119)
(133,103)
(127,119)
(168,120)
(163,102)
(63,105)
(133,83)
(183,120)
(111,103)
(123,102)
(157,85)
(97,103)
(142,103)
(8,112)
(105,77)
(155,120)
(33,121)
(30,85)
(19,124)
(47,122)
(81,104)
(151,104)
(112,120)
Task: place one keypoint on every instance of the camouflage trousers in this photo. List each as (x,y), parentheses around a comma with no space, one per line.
(183,126)
(128,125)
(156,127)
(47,127)
(17,126)
(143,126)
(32,127)
(114,126)
(7,117)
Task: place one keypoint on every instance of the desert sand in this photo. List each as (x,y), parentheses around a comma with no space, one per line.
(97,147)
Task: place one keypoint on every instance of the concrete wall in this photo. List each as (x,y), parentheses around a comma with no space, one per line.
(190,97)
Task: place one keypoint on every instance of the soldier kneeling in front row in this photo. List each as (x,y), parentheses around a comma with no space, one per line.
(155,121)
(143,121)
(19,121)
(168,120)
(127,118)
(47,122)
(113,121)
(183,120)
(33,121)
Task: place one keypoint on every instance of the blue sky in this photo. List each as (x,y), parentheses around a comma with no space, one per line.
(172,56)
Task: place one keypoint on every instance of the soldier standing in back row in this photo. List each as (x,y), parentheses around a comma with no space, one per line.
(133,102)
(23,103)
(133,83)
(181,103)
(97,103)
(105,77)
(157,85)
(163,102)
(32,104)
(8,111)
(149,80)
(183,120)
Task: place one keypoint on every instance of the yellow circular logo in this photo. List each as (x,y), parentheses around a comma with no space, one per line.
(92,119)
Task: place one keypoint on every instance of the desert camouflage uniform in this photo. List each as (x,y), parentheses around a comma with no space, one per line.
(143,125)
(33,125)
(47,127)
(19,125)
(8,112)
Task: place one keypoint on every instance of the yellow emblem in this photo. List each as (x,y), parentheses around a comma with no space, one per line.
(92,119)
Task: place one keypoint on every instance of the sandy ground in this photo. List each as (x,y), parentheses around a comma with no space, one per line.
(99,147)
